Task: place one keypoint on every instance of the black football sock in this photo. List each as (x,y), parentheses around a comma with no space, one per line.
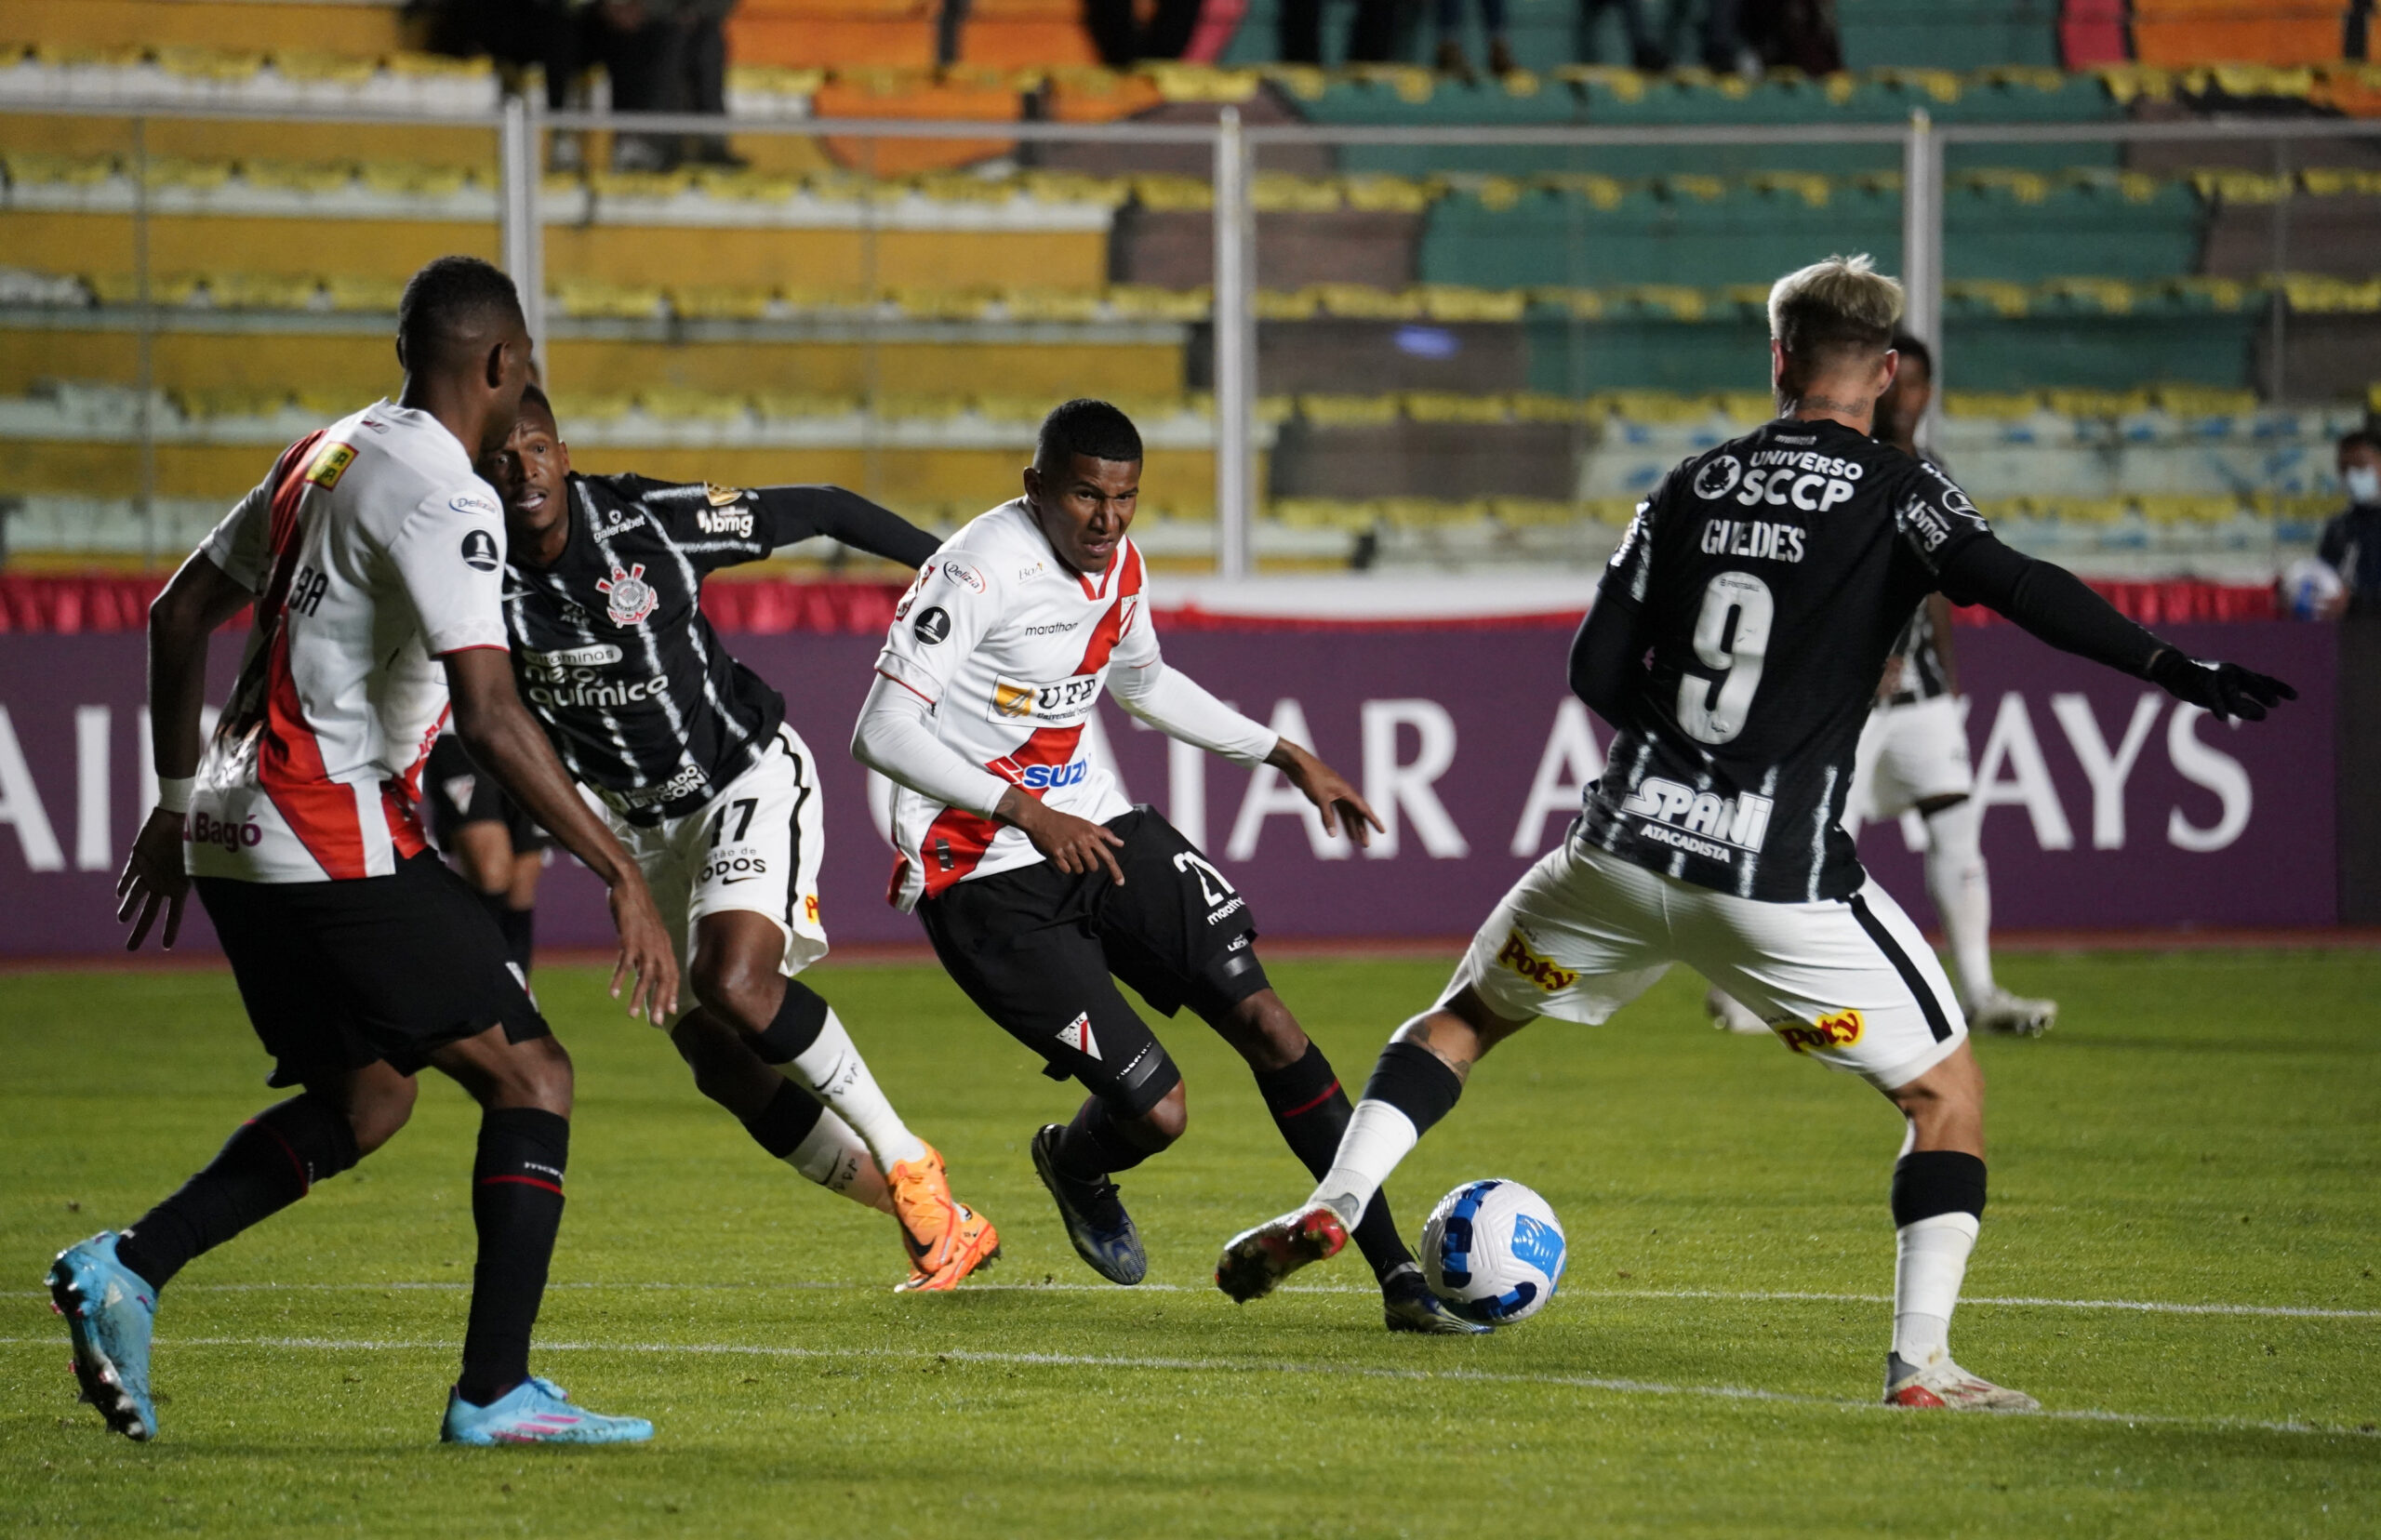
(265,1167)
(1094,1147)
(1312,1111)
(781,1127)
(1415,1081)
(516,1206)
(520,928)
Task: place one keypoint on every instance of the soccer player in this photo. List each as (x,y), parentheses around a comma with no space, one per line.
(1914,755)
(1036,881)
(687,757)
(498,849)
(373,556)
(1734,646)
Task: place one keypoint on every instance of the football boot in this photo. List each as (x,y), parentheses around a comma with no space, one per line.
(1103,1233)
(1255,1260)
(110,1312)
(1945,1384)
(945,1239)
(536,1410)
(2005,1014)
(1408,1305)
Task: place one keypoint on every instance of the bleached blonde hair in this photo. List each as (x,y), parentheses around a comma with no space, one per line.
(1841,305)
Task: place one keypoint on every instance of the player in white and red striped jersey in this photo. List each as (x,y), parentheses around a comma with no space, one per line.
(1034,878)
(373,556)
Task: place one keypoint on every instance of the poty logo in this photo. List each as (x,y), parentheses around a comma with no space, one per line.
(234,837)
(1539,970)
(1837,1030)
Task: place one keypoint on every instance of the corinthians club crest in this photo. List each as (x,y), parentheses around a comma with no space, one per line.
(631,598)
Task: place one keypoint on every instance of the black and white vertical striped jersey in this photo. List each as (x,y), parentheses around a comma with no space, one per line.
(1764,582)
(1922,674)
(610,646)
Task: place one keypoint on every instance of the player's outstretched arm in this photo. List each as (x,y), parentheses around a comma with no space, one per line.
(2055,605)
(799,512)
(508,743)
(200,597)
(1181,707)
(893,739)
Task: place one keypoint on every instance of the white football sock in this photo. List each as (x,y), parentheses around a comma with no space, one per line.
(1962,894)
(836,1073)
(1931,1259)
(833,1156)
(1379,1136)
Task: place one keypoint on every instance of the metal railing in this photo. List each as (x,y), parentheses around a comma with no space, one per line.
(1234,145)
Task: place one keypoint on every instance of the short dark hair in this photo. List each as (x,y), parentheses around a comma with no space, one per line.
(1086,426)
(448,300)
(533,394)
(1910,347)
(2359,438)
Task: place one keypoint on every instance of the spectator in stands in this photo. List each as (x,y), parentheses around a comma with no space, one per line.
(1372,35)
(1451,57)
(1117,33)
(1644,53)
(2351,542)
(665,55)
(1798,33)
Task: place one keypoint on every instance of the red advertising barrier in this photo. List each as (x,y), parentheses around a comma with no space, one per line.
(2105,803)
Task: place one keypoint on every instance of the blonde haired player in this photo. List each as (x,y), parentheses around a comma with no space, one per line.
(1735,646)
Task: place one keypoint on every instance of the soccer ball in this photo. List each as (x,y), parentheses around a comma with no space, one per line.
(1493,1251)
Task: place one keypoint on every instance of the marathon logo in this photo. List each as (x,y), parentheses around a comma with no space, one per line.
(1061,704)
(1836,1029)
(1540,971)
(724,520)
(1676,814)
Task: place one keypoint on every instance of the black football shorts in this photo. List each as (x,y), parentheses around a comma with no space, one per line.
(455,791)
(1039,952)
(337,975)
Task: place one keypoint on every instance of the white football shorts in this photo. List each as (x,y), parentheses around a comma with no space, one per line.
(755,845)
(1848,982)
(1909,754)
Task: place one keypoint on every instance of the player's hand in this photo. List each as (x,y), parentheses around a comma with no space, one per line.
(1329,790)
(153,875)
(1076,846)
(644,951)
(2226,689)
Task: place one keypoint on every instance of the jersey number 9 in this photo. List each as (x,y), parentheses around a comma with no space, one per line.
(1731,638)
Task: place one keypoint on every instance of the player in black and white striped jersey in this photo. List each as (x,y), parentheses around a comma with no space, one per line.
(688,755)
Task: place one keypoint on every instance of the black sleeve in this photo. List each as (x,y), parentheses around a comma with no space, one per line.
(2332,546)
(1608,653)
(791,513)
(2049,601)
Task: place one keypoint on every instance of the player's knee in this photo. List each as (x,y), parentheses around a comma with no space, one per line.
(1262,1031)
(738,990)
(1164,1122)
(537,1074)
(377,1114)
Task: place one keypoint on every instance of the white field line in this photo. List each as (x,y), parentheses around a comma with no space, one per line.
(2146,1306)
(1244,1366)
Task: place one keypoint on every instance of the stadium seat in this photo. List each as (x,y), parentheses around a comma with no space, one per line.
(2210,32)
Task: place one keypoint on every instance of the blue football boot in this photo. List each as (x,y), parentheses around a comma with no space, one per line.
(536,1410)
(110,1310)
(1408,1305)
(1096,1220)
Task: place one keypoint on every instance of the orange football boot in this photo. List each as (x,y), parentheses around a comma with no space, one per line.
(945,1239)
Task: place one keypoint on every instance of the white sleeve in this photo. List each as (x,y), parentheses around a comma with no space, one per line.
(1181,707)
(242,544)
(894,739)
(949,608)
(449,554)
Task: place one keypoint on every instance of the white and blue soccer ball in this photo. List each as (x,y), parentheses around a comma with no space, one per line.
(1493,1251)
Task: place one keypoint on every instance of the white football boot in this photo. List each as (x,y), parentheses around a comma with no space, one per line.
(1729,1015)
(1946,1384)
(2005,1014)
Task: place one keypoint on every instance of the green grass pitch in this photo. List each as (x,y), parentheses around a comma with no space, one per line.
(2203,1129)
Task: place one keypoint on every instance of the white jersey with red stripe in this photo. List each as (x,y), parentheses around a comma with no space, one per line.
(373,549)
(1012,650)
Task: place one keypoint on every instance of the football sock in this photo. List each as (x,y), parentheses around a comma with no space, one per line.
(1938,1208)
(1411,1089)
(516,1206)
(1962,894)
(266,1166)
(520,928)
(1311,1111)
(797,1130)
(838,1076)
(1093,1147)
